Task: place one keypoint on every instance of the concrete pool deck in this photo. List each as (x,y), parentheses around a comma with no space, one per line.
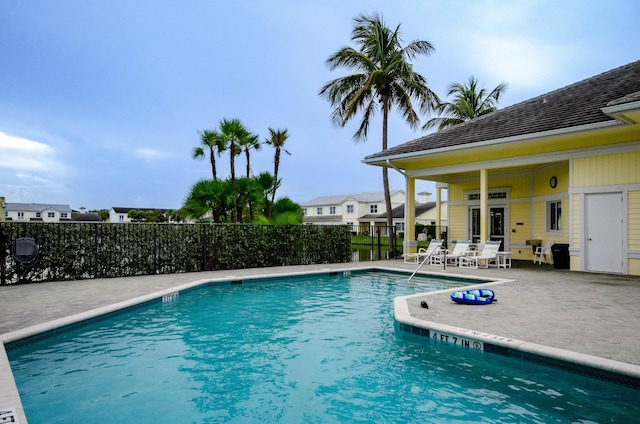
(580,315)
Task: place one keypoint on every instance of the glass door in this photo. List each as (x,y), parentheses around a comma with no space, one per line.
(474,225)
(496,225)
(497,221)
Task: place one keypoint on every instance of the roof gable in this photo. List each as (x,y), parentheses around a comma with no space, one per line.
(574,106)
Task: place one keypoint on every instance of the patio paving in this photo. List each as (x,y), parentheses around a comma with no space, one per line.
(584,313)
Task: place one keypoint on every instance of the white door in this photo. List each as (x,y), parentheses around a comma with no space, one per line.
(604,232)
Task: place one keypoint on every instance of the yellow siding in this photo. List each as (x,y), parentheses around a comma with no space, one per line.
(575,242)
(540,223)
(542,179)
(457,223)
(519,212)
(634,219)
(619,168)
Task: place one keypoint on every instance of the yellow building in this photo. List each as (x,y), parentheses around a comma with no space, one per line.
(563,167)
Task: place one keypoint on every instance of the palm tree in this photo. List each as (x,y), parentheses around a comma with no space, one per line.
(210,140)
(213,196)
(277,139)
(232,131)
(251,141)
(469,102)
(267,184)
(383,78)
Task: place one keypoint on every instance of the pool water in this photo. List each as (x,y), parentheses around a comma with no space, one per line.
(312,349)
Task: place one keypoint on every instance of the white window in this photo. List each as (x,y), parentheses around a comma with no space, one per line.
(20,215)
(121,217)
(304,211)
(38,215)
(373,208)
(554,216)
(332,210)
(399,226)
(318,211)
(64,215)
(51,214)
(349,208)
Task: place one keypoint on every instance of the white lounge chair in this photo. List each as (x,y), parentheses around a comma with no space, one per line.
(422,253)
(482,259)
(460,249)
(543,253)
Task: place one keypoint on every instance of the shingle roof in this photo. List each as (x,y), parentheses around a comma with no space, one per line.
(36,207)
(119,209)
(85,217)
(575,105)
(367,197)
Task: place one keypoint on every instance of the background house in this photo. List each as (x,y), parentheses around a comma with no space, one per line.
(425,214)
(119,214)
(363,211)
(348,209)
(26,212)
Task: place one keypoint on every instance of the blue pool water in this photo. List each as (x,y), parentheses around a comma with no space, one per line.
(319,349)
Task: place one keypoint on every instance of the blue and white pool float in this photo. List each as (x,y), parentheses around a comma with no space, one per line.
(474,297)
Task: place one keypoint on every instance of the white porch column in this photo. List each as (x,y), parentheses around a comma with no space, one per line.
(410,244)
(484,205)
(438,209)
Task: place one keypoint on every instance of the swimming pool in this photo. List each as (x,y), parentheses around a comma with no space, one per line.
(310,349)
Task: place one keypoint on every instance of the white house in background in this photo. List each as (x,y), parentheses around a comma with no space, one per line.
(425,214)
(347,209)
(366,210)
(38,212)
(119,214)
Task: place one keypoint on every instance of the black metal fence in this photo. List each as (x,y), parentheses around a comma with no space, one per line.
(100,250)
(373,243)
(379,242)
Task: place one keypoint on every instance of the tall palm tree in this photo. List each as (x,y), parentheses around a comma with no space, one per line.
(212,141)
(232,131)
(277,139)
(384,77)
(469,101)
(251,141)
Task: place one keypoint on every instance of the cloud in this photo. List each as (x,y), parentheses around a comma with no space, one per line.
(149,154)
(518,61)
(21,153)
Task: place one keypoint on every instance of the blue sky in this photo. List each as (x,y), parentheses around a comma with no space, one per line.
(101,101)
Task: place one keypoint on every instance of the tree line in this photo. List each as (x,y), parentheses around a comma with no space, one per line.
(247,198)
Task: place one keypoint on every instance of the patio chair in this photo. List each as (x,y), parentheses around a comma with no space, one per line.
(474,259)
(25,253)
(462,248)
(543,253)
(423,253)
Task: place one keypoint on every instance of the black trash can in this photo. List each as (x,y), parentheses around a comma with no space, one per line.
(560,252)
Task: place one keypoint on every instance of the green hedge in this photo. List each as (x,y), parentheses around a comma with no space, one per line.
(69,251)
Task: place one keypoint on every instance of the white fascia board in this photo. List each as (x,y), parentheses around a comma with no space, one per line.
(496,141)
(617,111)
